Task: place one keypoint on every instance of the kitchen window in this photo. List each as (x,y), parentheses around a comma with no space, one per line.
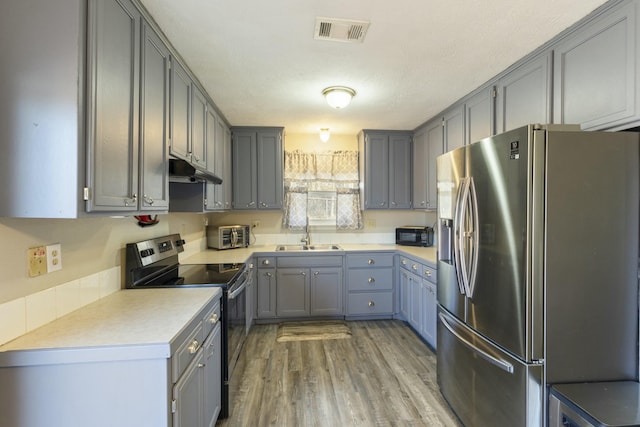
(322,189)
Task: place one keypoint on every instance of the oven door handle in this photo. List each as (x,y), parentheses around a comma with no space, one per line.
(237,291)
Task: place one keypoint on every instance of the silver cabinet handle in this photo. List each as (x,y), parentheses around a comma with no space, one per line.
(427,273)
(414,267)
(381,203)
(194,347)
(214,318)
(201,365)
(403,262)
(371,304)
(268,274)
(266,262)
(370,262)
(304,273)
(148,199)
(315,273)
(263,204)
(371,280)
(251,203)
(132,201)
(394,203)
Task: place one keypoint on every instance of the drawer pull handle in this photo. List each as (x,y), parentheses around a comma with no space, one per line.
(315,273)
(267,274)
(213,319)
(371,261)
(304,273)
(194,347)
(371,304)
(404,262)
(371,280)
(266,262)
(428,273)
(415,267)
(201,365)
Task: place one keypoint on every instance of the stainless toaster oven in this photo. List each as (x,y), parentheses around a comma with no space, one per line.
(228,236)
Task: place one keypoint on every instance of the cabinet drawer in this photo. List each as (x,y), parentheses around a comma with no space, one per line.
(266,261)
(187,351)
(308,261)
(370,260)
(429,273)
(411,266)
(211,319)
(370,279)
(370,303)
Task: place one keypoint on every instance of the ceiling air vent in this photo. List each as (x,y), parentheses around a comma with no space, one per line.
(341,30)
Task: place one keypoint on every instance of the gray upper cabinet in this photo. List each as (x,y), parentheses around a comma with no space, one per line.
(479,115)
(596,82)
(427,146)
(524,94)
(112,107)
(257,168)
(198,149)
(453,127)
(386,169)
(180,111)
(154,122)
(216,161)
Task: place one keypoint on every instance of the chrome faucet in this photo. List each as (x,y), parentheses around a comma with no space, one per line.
(307,238)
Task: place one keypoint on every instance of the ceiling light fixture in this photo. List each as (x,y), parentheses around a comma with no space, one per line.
(324,134)
(338,96)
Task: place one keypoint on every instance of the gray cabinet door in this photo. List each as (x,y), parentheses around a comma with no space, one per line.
(215,153)
(154,122)
(479,115)
(198,148)
(435,146)
(596,82)
(227,180)
(212,377)
(326,291)
(376,171)
(420,169)
(430,312)
(245,170)
(188,395)
(405,299)
(400,173)
(266,282)
(270,170)
(113,101)
(415,301)
(524,95)
(453,128)
(180,111)
(292,292)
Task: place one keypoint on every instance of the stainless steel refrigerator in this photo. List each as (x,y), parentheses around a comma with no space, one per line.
(537,269)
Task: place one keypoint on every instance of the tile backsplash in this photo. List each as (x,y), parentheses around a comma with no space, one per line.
(22,315)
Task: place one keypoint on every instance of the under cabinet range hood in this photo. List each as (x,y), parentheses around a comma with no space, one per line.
(183,171)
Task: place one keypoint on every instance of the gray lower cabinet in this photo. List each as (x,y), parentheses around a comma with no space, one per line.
(257,168)
(596,82)
(293,293)
(370,285)
(299,286)
(385,169)
(418,300)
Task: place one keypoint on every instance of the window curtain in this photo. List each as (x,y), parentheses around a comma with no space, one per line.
(333,171)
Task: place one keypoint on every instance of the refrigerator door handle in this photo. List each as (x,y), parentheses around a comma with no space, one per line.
(458,235)
(474,237)
(502,364)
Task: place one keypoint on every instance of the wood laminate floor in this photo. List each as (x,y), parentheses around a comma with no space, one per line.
(384,375)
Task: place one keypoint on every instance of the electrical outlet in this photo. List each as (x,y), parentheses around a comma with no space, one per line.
(37,261)
(54,257)
(371,223)
(205,221)
(255,223)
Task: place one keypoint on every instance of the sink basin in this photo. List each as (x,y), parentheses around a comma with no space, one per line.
(291,248)
(324,248)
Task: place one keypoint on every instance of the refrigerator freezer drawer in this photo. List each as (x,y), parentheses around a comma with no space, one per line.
(484,385)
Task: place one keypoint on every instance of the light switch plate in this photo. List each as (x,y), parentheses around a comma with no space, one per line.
(54,257)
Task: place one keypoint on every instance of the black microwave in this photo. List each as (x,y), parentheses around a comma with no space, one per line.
(414,236)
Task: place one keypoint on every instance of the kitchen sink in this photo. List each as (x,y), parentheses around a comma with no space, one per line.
(293,248)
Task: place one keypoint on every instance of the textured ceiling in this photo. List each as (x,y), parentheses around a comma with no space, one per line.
(261,65)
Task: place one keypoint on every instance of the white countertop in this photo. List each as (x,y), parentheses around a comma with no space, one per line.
(142,321)
(212,256)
